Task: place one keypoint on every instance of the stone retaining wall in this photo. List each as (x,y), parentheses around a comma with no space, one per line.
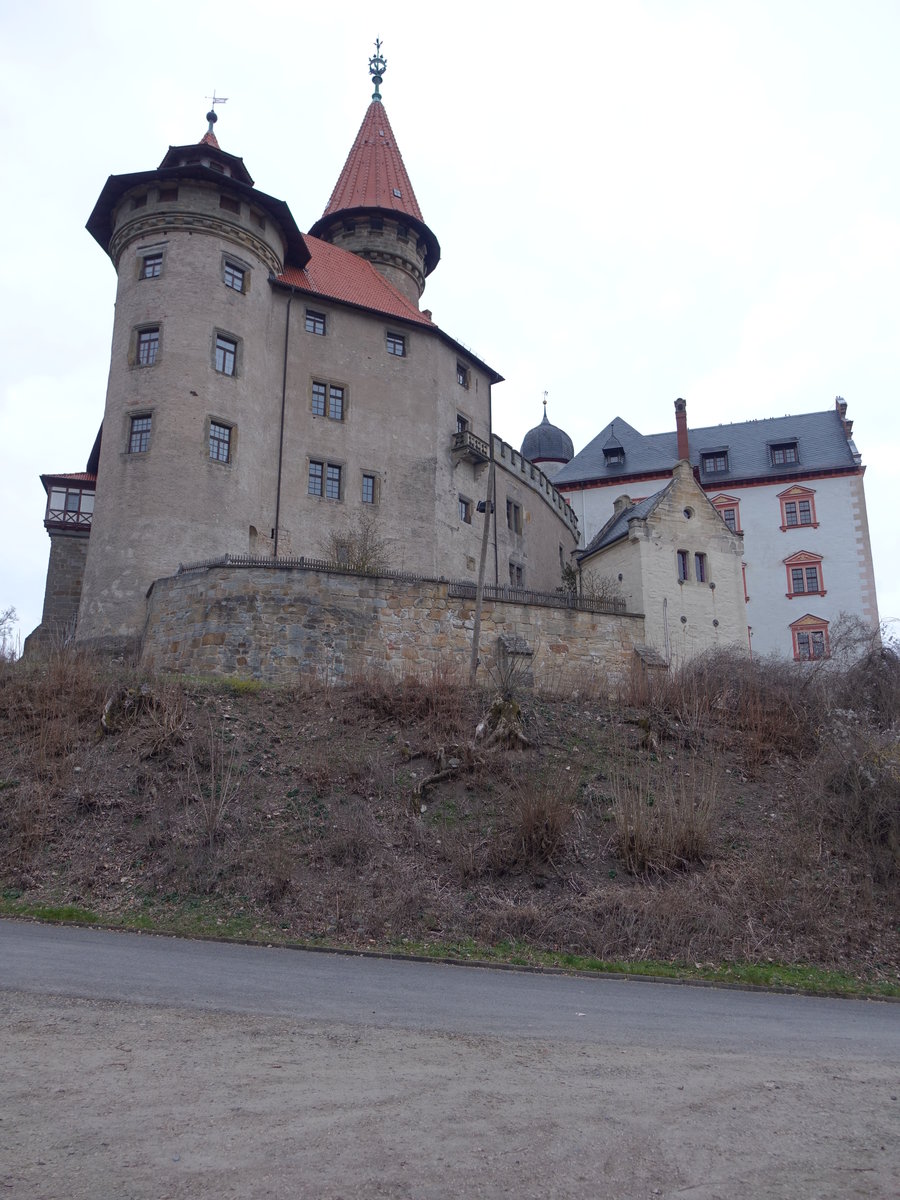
(276,624)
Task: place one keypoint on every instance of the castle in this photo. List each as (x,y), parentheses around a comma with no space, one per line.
(277,397)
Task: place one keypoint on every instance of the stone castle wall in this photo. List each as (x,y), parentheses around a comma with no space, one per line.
(62,593)
(278,623)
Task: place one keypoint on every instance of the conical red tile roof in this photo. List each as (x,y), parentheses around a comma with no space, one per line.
(374,175)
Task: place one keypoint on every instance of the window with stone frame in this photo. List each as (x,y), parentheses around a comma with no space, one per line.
(234,275)
(139,433)
(798,508)
(465,510)
(682,565)
(396,345)
(701,569)
(226,355)
(729,509)
(147,346)
(462,374)
(220,441)
(324,479)
(328,399)
(151,265)
(369,488)
(514,516)
(804,574)
(810,640)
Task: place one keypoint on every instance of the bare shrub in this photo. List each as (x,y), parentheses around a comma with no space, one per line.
(664,818)
(213,779)
(359,546)
(533,829)
(860,806)
(9,641)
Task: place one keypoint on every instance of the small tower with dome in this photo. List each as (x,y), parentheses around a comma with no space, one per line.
(547,446)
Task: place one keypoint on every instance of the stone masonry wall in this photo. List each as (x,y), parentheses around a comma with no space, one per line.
(65,572)
(276,624)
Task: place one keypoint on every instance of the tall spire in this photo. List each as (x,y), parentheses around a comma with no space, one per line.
(373,209)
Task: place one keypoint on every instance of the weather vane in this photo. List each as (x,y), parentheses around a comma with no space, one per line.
(211,115)
(377,68)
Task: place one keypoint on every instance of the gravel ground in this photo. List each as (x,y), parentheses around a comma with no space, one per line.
(116,1101)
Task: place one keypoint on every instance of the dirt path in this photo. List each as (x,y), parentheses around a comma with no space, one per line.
(113,1101)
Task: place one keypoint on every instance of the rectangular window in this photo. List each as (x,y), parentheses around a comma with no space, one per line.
(234,276)
(151,268)
(315,322)
(336,403)
(220,442)
(715,462)
(325,479)
(229,204)
(316,473)
(790,512)
(805,512)
(396,345)
(332,482)
(465,510)
(514,516)
(516,575)
(462,374)
(368,489)
(682,564)
(147,347)
(811,644)
(139,435)
(784,454)
(318,399)
(797,580)
(804,575)
(167,195)
(729,516)
(226,355)
(462,423)
(700,568)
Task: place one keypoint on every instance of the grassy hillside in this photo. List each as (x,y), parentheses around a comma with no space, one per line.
(738,819)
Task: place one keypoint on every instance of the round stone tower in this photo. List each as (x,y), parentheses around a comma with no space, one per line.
(547,446)
(188,444)
(373,210)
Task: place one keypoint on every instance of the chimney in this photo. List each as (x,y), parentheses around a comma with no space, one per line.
(681,428)
(841,405)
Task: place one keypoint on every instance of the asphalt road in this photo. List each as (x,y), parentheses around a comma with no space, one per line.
(147,1068)
(433,997)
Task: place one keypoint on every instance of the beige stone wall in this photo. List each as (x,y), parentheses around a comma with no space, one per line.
(276,624)
(683,619)
(65,572)
(174,504)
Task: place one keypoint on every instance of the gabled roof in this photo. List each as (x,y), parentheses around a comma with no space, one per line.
(821,441)
(616,527)
(374,175)
(332,273)
(336,274)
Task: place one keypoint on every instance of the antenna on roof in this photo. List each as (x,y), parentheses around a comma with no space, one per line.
(211,115)
(377,68)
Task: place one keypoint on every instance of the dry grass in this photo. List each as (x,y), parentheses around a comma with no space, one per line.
(330,836)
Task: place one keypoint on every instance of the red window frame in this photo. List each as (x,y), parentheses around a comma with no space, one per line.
(804,569)
(792,502)
(722,503)
(808,635)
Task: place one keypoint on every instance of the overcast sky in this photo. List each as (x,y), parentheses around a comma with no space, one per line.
(635,201)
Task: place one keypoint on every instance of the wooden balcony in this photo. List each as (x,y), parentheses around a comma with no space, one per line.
(74,522)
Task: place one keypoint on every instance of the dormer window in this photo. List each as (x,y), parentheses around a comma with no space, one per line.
(784,454)
(613,455)
(714,461)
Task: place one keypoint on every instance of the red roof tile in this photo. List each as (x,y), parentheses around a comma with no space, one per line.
(374,175)
(337,274)
(48,480)
(209,139)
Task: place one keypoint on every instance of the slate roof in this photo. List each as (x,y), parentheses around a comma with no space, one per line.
(547,443)
(821,442)
(616,527)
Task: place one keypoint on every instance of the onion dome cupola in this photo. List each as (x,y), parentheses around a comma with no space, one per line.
(547,446)
(373,210)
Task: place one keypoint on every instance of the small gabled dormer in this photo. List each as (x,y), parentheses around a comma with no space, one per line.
(613,450)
